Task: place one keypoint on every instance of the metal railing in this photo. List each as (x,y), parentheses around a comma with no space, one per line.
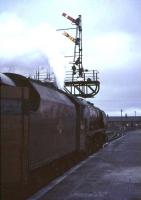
(43,76)
(87,76)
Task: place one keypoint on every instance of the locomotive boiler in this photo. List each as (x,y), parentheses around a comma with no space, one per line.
(42,128)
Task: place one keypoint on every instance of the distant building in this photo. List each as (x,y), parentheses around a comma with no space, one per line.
(124,123)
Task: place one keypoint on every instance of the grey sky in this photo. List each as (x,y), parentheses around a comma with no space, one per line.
(111,43)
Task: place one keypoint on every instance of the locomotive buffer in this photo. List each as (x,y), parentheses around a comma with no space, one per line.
(79,81)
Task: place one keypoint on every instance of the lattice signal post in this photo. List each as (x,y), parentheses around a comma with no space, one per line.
(79,81)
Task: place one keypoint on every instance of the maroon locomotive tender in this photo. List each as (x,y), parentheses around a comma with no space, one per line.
(42,128)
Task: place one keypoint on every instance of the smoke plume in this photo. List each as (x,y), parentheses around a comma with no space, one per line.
(25,49)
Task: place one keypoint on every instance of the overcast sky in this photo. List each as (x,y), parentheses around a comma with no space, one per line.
(111,43)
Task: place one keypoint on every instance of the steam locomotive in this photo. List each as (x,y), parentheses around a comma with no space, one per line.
(42,128)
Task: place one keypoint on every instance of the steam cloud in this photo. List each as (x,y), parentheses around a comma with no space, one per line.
(25,49)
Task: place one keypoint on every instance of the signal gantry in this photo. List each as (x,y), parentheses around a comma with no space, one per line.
(79,81)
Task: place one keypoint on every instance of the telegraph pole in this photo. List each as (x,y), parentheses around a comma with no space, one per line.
(121,119)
